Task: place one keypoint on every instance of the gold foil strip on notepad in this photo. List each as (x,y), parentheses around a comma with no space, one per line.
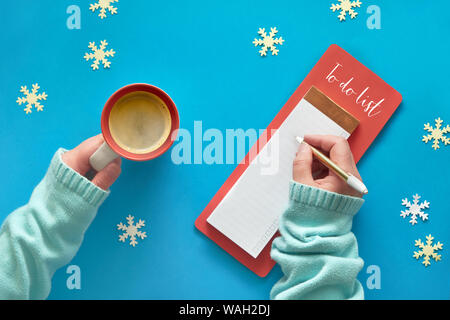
(331,109)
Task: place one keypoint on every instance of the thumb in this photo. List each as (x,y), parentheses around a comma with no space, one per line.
(302,169)
(106,177)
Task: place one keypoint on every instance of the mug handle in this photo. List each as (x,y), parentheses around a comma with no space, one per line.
(102,157)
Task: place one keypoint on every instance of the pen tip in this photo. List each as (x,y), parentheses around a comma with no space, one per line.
(299,139)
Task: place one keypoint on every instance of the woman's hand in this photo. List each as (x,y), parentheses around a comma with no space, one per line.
(308,170)
(78,160)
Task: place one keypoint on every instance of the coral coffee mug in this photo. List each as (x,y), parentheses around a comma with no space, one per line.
(139,122)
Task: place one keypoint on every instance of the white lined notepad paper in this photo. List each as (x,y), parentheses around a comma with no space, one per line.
(248,214)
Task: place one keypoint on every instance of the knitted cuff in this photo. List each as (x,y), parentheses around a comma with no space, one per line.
(75,182)
(328,200)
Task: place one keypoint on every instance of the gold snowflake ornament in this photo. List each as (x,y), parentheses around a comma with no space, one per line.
(99,55)
(346,6)
(436,134)
(31,98)
(104,5)
(428,250)
(268,42)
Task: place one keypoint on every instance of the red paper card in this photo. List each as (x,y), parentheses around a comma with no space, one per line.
(353,87)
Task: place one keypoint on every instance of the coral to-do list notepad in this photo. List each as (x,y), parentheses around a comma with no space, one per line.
(248,214)
(242,217)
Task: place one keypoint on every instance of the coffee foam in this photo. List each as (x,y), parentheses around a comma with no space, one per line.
(140,122)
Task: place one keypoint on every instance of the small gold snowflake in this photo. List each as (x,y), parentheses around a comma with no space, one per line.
(268,42)
(31,98)
(104,5)
(428,250)
(437,134)
(99,55)
(346,6)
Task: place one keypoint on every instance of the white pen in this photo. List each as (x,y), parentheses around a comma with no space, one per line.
(351,180)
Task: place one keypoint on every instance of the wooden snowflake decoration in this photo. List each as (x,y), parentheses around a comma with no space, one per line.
(346,6)
(104,5)
(268,42)
(131,230)
(31,98)
(428,250)
(436,134)
(99,55)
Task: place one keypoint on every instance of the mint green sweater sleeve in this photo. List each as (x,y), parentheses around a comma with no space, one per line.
(317,252)
(46,233)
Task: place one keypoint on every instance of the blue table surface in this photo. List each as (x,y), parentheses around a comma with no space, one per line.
(201,54)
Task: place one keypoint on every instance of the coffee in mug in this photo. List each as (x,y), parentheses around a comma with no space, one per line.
(139,122)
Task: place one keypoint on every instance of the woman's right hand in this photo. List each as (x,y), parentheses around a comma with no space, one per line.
(308,170)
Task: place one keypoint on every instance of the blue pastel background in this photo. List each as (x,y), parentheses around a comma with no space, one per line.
(201,54)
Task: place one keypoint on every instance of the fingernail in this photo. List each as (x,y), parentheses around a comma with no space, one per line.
(303,148)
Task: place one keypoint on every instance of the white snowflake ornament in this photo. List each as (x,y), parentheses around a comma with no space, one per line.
(436,134)
(268,42)
(99,55)
(346,6)
(415,209)
(104,5)
(131,230)
(428,250)
(31,98)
